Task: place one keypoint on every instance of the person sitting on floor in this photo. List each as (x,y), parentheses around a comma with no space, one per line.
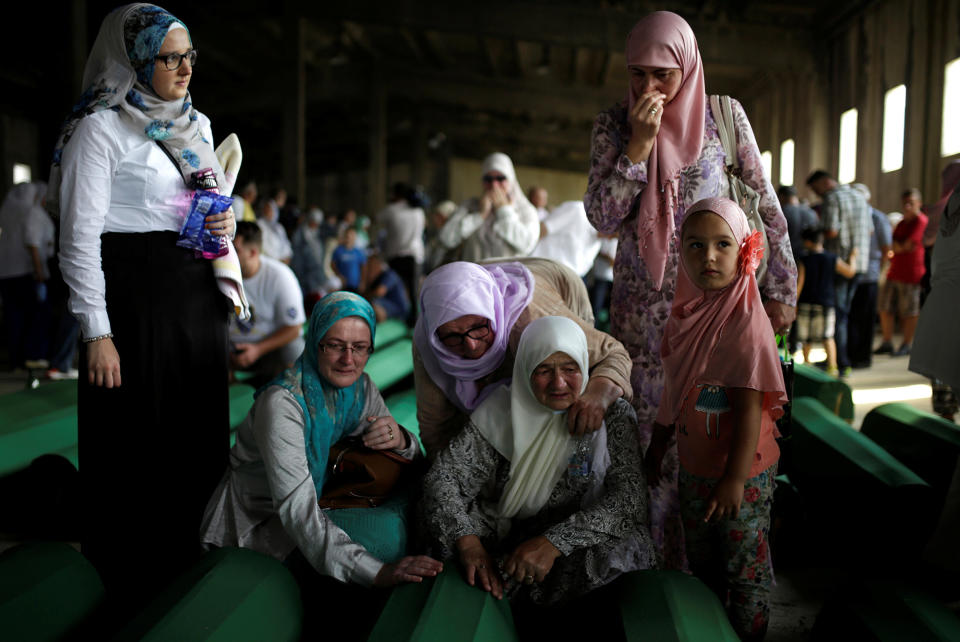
(385,290)
(565,515)
(267,499)
(271,339)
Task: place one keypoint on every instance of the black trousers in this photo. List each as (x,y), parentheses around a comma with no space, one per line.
(153,449)
(863,314)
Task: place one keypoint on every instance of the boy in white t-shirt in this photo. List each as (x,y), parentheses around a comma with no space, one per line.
(271,339)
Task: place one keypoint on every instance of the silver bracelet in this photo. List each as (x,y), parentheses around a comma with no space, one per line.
(108,335)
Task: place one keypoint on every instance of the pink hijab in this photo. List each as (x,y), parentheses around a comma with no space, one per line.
(721,337)
(664,39)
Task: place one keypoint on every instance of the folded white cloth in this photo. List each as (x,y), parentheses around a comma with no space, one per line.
(226,268)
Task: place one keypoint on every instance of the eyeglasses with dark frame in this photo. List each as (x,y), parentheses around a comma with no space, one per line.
(172,61)
(491,179)
(356,349)
(454,339)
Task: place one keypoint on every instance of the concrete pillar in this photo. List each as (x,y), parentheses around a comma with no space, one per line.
(377,141)
(294,86)
(419,152)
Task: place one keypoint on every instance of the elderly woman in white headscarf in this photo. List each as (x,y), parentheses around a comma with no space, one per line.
(563,515)
(500,222)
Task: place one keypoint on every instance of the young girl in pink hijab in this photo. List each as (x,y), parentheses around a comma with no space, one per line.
(723,392)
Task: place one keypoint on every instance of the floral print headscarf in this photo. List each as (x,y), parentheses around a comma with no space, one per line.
(119,76)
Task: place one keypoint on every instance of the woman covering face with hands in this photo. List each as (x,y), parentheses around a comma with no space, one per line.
(500,222)
(652,156)
(528,509)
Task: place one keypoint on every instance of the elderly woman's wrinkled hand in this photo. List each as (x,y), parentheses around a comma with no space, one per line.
(586,414)
(531,561)
(221,224)
(478,566)
(384,433)
(409,569)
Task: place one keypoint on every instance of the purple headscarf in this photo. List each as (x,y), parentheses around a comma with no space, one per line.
(498,292)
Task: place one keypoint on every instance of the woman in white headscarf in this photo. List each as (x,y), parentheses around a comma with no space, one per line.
(564,515)
(153,405)
(500,222)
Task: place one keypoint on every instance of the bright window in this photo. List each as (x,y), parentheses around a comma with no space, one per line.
(766,159)
(786,162)
(950,133)
(894,112)
(848,147)
(21,173)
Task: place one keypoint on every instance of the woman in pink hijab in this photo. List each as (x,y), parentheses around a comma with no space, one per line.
(652,156)
(724,391)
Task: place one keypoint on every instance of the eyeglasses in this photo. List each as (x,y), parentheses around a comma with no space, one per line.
(491,179)
(454,339)
(356,349)
(173,61)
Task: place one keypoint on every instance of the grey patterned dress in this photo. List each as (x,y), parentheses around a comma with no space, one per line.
(597,518)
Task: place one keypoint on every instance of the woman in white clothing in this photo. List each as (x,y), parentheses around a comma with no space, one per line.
(500,222)
(153,408)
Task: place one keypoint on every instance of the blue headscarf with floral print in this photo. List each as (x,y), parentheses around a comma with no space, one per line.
(119,76)
(329,412)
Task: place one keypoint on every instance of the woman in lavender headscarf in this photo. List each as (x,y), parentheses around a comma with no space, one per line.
(466,339)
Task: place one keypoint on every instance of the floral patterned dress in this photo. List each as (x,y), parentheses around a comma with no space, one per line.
(638,312)
(596,515)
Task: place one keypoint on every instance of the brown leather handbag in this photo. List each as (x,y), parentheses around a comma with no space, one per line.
(361,477)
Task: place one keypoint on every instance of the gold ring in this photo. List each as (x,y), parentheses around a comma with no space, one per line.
(528,579)
(653,111)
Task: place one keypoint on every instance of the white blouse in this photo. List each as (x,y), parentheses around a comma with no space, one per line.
(115,179)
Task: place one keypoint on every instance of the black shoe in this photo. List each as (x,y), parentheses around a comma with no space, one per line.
(902,351)
(860,365)
(885,348)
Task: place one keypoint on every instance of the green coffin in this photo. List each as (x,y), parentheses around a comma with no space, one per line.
(670,606)
(810,381)
(885,611)
(231,595)
(403,407)
(389,331)
(852,486)
(36,422)
(391,364)
(46,590)
(925,443)
(444,608)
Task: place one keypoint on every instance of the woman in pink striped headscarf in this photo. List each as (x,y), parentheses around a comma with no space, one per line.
(653,155)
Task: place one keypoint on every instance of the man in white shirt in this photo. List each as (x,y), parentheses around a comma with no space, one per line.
(275,242)
(272,339)
(402,223)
